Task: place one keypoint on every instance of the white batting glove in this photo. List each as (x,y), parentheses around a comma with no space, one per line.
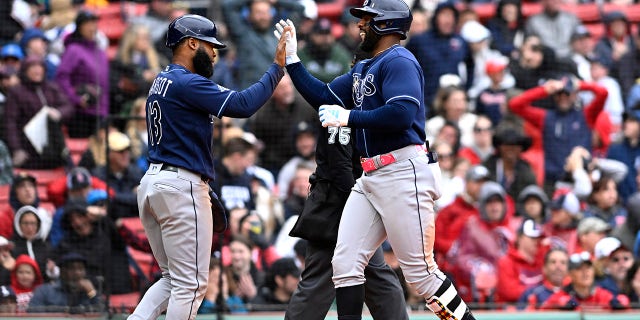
(291,41)
(332,115)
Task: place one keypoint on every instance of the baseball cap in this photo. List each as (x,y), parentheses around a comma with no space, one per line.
(473,32)
(95,196)
(580,32)
(118,141)
(449,80)
(495,65)
(633,114)
(322,26)
(4,243)
(84,16)
(71,257)
(566,200)
(22,177)
(606,246)
(30,34)
(477,173)
(531,229)
(576,260)
(7,293)
(78,178)
(592,224)
(285,266)
(11,50)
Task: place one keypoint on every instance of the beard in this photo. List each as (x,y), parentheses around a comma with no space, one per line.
(202,63)
(370,40)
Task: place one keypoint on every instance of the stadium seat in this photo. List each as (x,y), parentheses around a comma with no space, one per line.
(44,177)
(4,193)
(586,12)
(124,303)
(76,146)
(49,206)
(331,10)
(42,192)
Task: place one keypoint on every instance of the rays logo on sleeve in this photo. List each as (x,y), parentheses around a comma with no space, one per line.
(362,87)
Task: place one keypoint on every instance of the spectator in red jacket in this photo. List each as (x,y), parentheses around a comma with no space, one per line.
(483,240)
(563,221)
(452,218)
(563,127)
(482,147)
(23,192)
(582,293)
(555,271)
(521,268)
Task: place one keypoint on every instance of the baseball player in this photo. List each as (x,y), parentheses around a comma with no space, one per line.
(318,224)
(381,100)
(173,198)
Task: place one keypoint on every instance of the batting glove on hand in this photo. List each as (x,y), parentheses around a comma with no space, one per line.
(332,115)
(291,40)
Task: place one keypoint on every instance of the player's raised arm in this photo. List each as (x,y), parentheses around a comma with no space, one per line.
(245,103)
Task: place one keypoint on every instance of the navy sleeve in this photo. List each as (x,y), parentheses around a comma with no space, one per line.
(397,115)
(313,90)
(245,103)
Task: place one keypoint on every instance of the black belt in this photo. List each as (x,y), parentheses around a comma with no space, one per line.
(433,156)
(168,167)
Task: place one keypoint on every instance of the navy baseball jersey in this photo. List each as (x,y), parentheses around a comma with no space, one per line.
(180,110)
(391,107)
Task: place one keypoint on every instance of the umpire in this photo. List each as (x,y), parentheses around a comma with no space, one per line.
(318,224)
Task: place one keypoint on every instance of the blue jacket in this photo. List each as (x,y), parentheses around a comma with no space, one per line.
(54,297)
(439,54)
(629,155)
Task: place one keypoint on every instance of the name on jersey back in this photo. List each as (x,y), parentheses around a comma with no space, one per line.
(160,86)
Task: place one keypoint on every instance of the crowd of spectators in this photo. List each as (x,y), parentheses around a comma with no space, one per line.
(536,122)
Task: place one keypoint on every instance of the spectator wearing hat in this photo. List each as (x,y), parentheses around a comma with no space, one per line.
(122,175)
(273,124)
(604,203)
(280,283)
(73,293)
(617,39)
(8,301)
(483,240)
(482,147)
(441,50)
(582,292)
(478,38)
(561,227)
(305,135)
(492,100)
(627,151)
(506,166)
(33,95)
(452,218)
(615,260)
(563,127)
(7,261)
(582,47)
(532,203)
(34,43)
(521,268)
(11,55)
(325,58)
(23,192)
(83,75)
(90,232)
(554,26)
(25,278)
(555,272)
(30,237)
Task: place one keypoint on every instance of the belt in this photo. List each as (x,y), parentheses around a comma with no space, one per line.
(168,167)
(382,160)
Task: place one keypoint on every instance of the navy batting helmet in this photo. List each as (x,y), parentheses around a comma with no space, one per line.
(194,26)
(389,16)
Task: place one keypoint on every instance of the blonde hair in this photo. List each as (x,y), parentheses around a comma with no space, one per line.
(132,130)
(126,47)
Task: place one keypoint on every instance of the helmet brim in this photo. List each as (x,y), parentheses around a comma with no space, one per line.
(360,12)
(216,44)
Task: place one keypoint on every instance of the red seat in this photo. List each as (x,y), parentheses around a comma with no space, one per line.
(77,145)
(124,303)
(331,10)
(597,30)
(586,12)
(4,193)
(42,192)
(44,177)
(49,206)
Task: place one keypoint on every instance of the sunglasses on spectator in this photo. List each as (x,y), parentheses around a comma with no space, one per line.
(479,130)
